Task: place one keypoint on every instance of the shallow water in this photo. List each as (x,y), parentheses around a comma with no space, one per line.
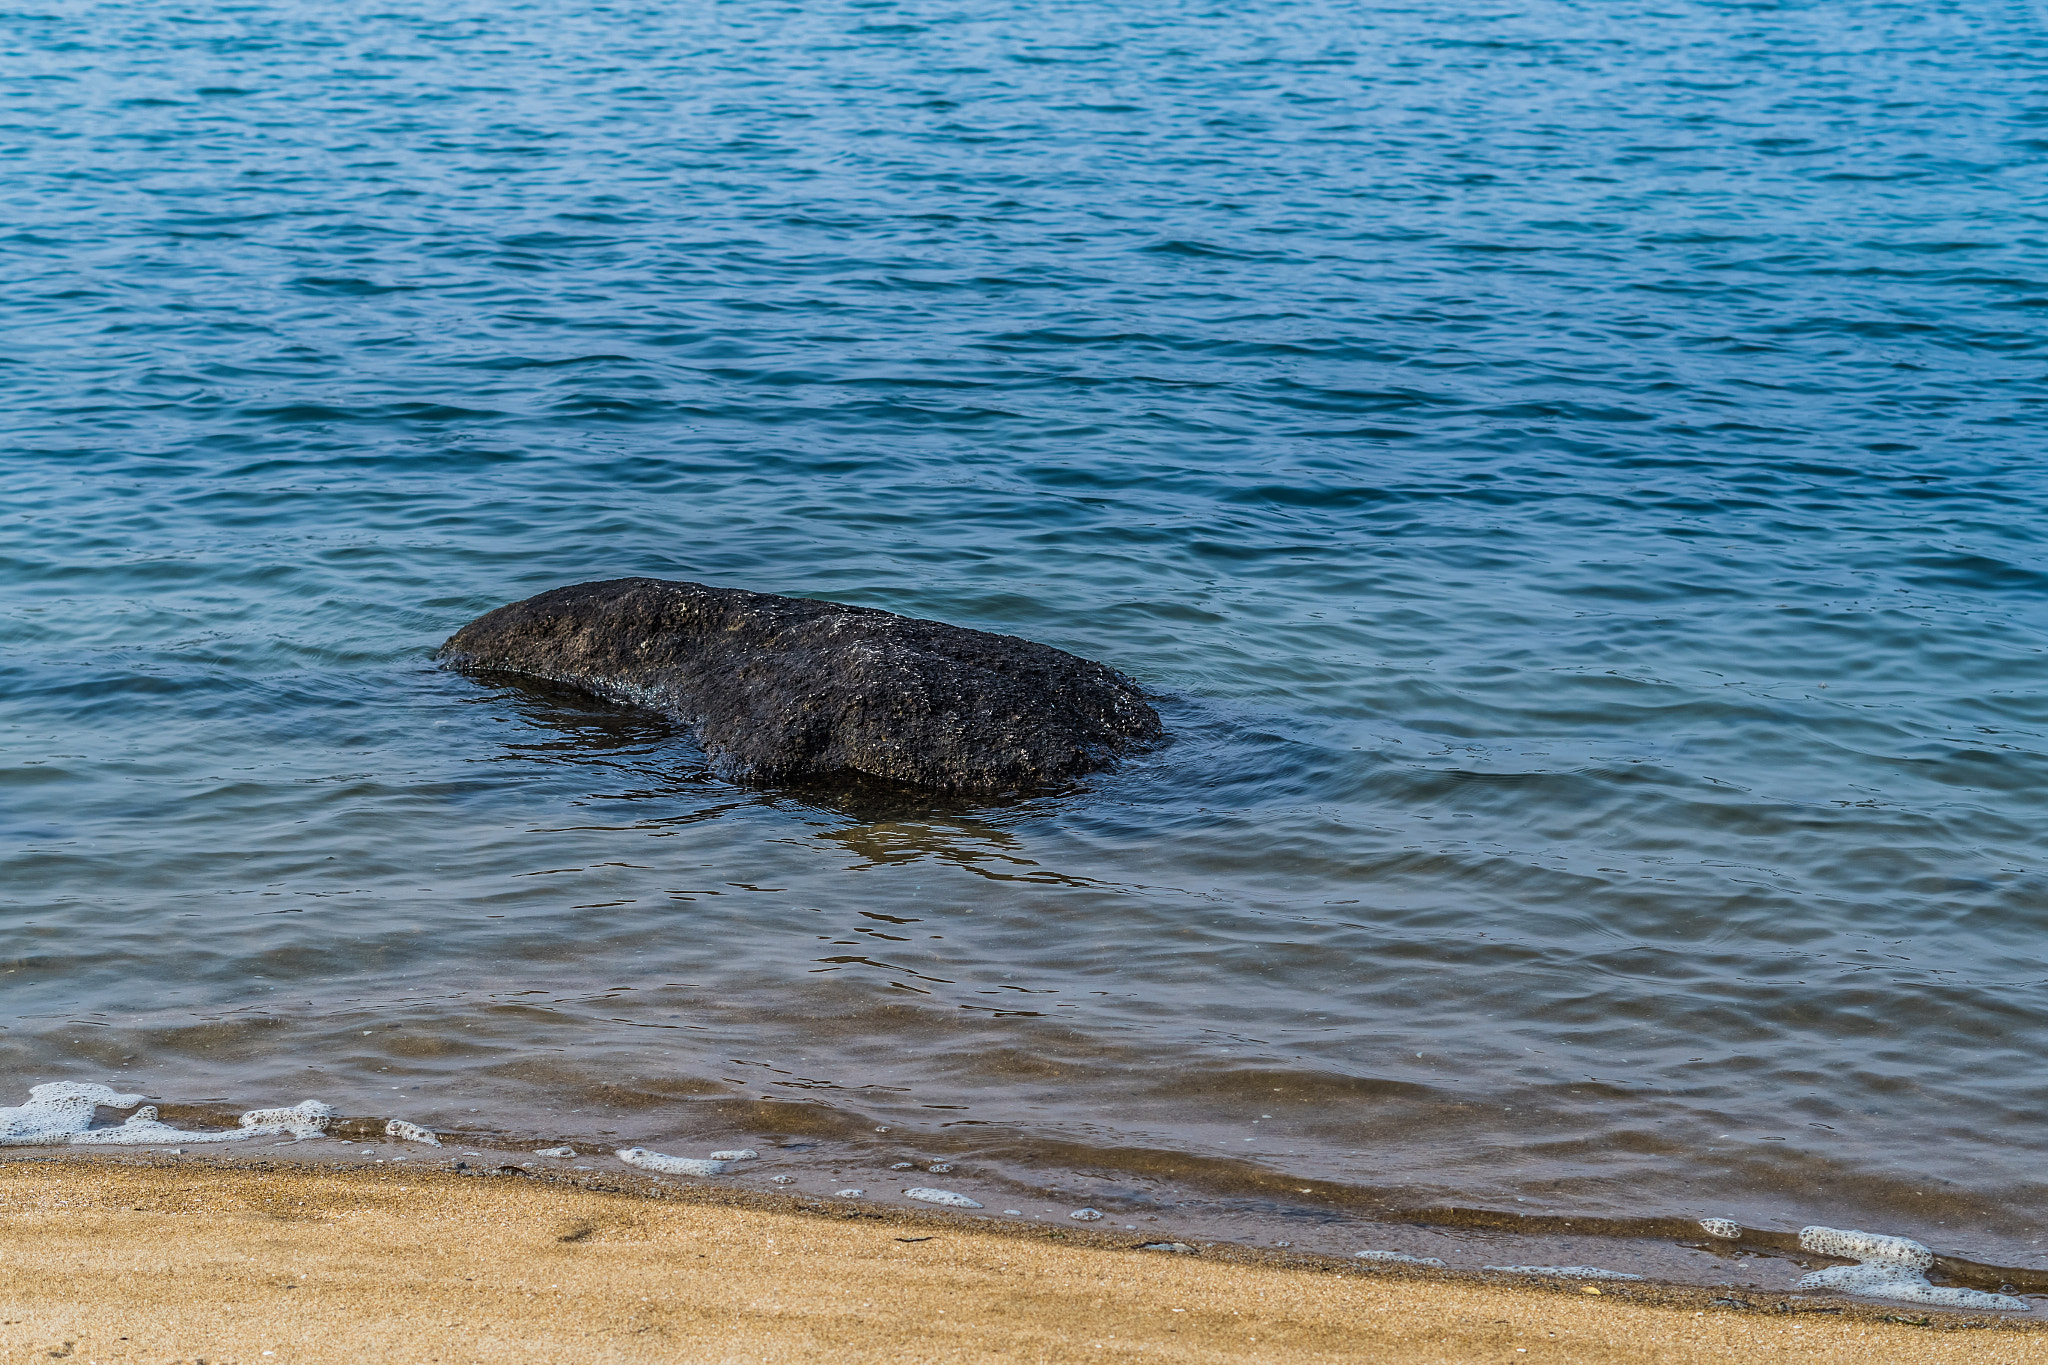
(1571,474)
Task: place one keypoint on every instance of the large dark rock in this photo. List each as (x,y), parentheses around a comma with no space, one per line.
(782,688)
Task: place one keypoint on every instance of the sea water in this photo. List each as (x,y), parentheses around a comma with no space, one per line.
(1570,472)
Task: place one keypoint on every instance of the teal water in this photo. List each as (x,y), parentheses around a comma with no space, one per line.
(1571,472)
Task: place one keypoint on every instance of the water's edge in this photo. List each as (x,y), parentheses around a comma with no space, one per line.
(1207,1203)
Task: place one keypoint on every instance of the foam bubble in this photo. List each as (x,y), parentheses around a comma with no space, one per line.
(1885,1280)
(1085,1215)
(1866,1246)
(555,1151)
(410,1132)
(742,1154)
(848,1194)
(60,1113)
(1570,1272)
(1892,1268)
(669,1165)
(56,1111)
(1400,1256)
(306,1119)
(143,1126)
(946,1197)
(1725,1228)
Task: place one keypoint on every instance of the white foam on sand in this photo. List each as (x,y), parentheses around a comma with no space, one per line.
(1570,1272)
(60,1113)
(670,1165)
(1401,1257)
(1086,1215)
(410,1132)
(742,1154)
(1892,1268)
(924,1195)
(1725,1228)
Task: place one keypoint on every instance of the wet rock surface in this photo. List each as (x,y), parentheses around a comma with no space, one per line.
(783,688)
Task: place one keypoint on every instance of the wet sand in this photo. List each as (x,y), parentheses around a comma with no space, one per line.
(113,1260)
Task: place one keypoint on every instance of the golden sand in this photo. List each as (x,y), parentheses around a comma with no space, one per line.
(109,1261)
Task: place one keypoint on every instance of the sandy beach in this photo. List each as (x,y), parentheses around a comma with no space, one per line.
(119,1261)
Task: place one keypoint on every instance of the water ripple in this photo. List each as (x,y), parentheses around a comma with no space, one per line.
(1571,473)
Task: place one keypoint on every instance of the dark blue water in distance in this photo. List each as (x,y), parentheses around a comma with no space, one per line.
(1572,473)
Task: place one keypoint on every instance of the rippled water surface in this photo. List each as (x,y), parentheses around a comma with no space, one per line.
(1570,471)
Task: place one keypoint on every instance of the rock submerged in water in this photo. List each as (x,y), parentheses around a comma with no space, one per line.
(782,688)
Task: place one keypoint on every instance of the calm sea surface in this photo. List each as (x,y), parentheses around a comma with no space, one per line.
(1571,471)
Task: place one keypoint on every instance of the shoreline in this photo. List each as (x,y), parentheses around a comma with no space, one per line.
(142,1258)
(1730,1258)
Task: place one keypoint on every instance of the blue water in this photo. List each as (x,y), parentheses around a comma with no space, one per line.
(1572,473)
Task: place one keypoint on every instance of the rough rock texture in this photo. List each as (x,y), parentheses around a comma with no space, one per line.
(780,688)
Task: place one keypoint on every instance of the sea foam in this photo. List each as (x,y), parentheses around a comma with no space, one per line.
(1892,1268)
(670,1165)
(60,1113)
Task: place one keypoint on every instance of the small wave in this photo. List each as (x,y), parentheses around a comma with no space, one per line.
(1569,1272)
(1208,251)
